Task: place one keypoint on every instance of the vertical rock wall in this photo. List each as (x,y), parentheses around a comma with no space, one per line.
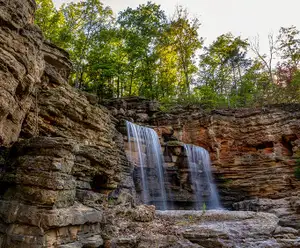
(62,160)
(254,152)
(21,65)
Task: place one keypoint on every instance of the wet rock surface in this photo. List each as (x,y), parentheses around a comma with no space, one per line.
(254,153)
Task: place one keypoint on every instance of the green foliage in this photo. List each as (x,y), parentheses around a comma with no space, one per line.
(51,21)
(144,53)
(88,23)
(203,208)
(227,183)
(175,143)
(289,45)
(191,218)
(183,35)
(224,69)
(208,97)
(111,201)
(141,29)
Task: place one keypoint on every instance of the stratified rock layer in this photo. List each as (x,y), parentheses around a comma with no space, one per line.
(254,152)
(21,65)
(65,181)
(61,157)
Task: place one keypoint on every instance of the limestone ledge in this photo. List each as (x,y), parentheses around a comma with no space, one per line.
(202,229)
(31,226)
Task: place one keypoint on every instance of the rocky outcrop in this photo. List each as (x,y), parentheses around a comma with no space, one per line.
(202,229)
(135,109)
(21,66)
(254,151)
(56,191)
(62,160)
(287,209)
(65,181)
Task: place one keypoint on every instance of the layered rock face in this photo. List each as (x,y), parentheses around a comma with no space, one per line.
(254,152)
(61,157)
(21,63)
(65,181)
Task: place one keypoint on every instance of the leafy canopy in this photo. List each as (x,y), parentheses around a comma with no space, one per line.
(142,52)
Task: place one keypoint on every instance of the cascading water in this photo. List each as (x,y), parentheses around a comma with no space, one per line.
(201,178)
(145,152)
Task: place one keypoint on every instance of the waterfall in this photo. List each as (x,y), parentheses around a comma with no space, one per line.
(205,190)
(145,152)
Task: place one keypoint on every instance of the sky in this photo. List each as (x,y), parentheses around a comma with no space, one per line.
(247,18)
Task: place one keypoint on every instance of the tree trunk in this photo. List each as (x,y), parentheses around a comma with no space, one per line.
(131,79)
(118,87)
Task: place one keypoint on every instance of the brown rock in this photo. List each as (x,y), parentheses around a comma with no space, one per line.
(21,65)
(253,150)
(143,213)
(68,151)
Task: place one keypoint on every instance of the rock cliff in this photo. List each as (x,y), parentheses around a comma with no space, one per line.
(253,151)
(61,157)
(22,65)
(65,181)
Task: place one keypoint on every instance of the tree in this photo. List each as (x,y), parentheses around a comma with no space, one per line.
(266,60)
(141,29)
(168,78)
(107,62)
(183,33)
(289,45)
(223,66)
(50,21)
(145,54)
(287,70)
(84,21)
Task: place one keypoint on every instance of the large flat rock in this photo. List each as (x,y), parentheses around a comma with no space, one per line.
(202,229)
